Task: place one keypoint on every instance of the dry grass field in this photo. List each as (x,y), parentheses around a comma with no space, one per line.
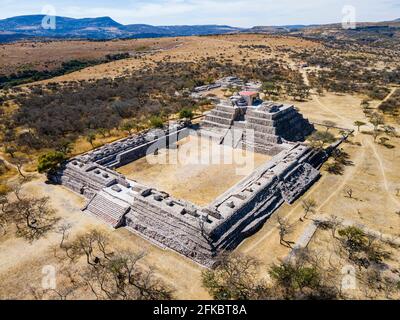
(374,175)
(22,262)
(50,55)
(224,47)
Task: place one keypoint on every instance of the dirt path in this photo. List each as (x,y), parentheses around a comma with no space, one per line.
(9,164)
(382,169)
(393,90)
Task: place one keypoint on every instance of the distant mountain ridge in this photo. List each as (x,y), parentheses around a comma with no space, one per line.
(97,28)
(105,28)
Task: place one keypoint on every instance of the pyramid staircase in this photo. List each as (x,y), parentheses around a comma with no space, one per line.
(108,209)
(221,117)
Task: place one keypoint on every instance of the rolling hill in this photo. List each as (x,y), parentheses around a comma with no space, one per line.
(105,28)
(23,27)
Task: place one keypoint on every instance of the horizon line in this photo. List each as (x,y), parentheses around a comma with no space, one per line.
(215,24)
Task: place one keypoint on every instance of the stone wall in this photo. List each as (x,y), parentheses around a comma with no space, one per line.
(199,233)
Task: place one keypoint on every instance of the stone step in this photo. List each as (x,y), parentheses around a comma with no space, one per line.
(222,114)
(211,124)
(107,209)
(227,109)
(260,121)
(257,114)
(218,119)
(239,125)
(261,129)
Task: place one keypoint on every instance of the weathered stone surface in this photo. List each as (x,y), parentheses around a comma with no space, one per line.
(270,125)
(201,233)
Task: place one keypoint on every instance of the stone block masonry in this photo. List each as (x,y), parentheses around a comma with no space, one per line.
(201,233)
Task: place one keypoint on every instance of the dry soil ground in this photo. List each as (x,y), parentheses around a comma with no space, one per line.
(224,48)
(374,177)
(49,55)
(198,171)
(21,263)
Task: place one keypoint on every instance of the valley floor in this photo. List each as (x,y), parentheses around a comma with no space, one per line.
(374,177)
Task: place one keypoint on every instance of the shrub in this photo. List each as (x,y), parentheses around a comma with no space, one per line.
(186,114)
(156,122)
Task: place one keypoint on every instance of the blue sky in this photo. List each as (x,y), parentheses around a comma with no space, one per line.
(241,13)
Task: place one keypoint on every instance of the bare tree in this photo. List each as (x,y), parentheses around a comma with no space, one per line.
(376,120)
(284,229)
(3,209)
(309,206)
(111,274)
(376,133)
(334,223)
(349,192)
(93,245)
(371,283)
(19,162)
(33,217)
(121,278)
(10,150)
(67,285)
(235,278)
(64,229)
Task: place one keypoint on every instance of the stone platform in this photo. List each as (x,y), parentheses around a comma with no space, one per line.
(201,233)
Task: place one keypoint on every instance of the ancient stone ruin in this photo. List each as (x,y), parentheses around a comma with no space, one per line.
(202,233)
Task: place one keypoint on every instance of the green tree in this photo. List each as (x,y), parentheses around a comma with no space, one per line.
(64,146)
(355,238)
(328,124)
(186,113)
(129,126)
(102,131)
(376,120)
(49,162)
(294,278)
(319,138)
(359,124)
(10,150)
(269,88)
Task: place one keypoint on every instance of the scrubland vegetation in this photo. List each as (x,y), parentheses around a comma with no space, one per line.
(42,123)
